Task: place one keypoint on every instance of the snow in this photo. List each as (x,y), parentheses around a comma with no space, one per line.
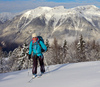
(59,13)
(6,16)
(84,74)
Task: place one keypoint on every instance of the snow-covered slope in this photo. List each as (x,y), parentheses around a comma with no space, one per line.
(85,74)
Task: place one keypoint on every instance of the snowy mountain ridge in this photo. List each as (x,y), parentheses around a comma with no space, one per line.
(53,22)
(87,7)
(60,9)
(49,12)
(6,16)
(60,13)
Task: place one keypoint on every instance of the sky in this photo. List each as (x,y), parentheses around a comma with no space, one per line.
(15,6)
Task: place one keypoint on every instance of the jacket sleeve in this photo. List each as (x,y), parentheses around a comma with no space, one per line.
(30,48)
(43,45)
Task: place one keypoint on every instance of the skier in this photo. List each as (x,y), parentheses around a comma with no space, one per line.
(35,46)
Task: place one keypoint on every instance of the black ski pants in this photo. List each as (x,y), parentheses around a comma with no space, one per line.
(35,63)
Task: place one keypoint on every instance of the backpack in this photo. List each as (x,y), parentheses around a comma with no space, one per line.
(41,39)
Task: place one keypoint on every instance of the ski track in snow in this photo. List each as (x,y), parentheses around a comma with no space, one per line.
(84,74)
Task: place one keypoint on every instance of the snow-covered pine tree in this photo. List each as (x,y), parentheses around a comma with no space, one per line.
(47,43)
(13,60)
(56,52)
(93,51)
(72,52)
(23,60)
(1,60)
(81,49)
(64,51)
(18,58)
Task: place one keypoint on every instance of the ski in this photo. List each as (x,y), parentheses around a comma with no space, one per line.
(38,76)
(32,79)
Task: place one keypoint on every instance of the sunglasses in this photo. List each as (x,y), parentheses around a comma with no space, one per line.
(34,37)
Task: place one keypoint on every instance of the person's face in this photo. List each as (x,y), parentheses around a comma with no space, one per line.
(34,38)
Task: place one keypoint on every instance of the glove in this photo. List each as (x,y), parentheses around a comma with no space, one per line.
(29,56)
(42,50)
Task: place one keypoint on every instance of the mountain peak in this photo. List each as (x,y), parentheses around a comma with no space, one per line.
(44,8)
(6,16)
(86,7)
(59,7)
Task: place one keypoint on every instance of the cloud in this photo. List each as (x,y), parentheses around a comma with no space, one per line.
(18,6)
(14,6)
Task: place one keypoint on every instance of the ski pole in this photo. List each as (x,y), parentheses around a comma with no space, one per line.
(46,64)
(28,66)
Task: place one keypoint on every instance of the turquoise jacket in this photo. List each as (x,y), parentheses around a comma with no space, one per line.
(36,48)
